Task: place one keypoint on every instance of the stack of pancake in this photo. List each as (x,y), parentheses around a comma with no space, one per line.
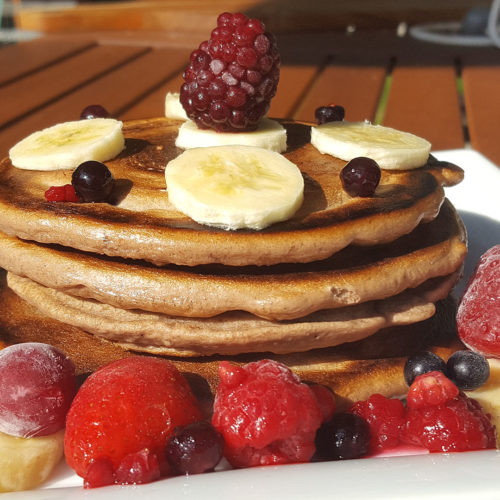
(341,292)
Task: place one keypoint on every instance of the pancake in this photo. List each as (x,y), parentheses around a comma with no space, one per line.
(280,292)
(235,332)
(353,370)
(140,223)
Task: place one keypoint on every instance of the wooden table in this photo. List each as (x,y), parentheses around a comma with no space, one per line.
(449,95)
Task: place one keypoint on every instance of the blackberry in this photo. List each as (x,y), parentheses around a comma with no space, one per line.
(231,78)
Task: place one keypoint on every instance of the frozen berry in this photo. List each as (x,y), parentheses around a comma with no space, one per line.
(94,111)
(420,363)
(62,193)
(231,78)
(384,416)
(100,472)
(326,400)
(93,182)
(265,414)
(360,177)
(125,407)
(478,315)
(325,114)
(467,370)
(457,425)
(430,389)
(37,386)
(138,467)
(194,448)
(344,436)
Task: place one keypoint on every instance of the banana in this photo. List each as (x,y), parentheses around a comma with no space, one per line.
(173,107)
(390,148)
(25,463)
(234,187)
(269,135)
(488,395)
(66,145)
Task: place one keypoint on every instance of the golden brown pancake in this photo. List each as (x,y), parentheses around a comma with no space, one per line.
(140,223)
(353,370)
(282,292)
(234,332)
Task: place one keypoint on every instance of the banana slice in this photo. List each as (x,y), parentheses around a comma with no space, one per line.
(25,463)
(269,135)
(66,145)
(390,148)
(234,187)
(173,107)
(488,395)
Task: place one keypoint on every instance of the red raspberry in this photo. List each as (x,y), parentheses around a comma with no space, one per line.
(125,413)
(326,400)
(384,416)
(457,425)
(231,78)
(430,389)
(62,193)
(265,414)
(478,316)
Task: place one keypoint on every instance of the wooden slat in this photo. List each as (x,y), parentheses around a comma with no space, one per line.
(425,102)
(293,85)
(116,91)
(21,59)
(153,105)
(18,97)
(482,104)
(357,88)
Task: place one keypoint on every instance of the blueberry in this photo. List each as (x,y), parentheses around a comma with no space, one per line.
(420,363)
(325,114)
(467,370)
(360,177)
(93,182)
(94,111)
(194,449)
(344,436)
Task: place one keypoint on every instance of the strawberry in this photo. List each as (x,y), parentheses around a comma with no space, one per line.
(123,412)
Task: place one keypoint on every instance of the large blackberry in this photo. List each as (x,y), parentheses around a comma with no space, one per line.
(231,78)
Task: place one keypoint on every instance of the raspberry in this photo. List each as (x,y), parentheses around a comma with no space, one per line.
(231,78)
(384,416)
(430,389)
(265,414)
(125,412)
(478,316)
(326,400)
(457,425)
(62,193)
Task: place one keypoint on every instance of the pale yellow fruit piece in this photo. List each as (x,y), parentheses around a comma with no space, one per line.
(25,463)
(234,187)
(488,395)
(392,149)
(269,135)
(66,145)
(173,107)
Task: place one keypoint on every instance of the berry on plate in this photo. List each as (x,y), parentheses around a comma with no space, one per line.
(344,436)
(384,417)
(431,389)
(37,386)
(265,414)
(459,424)
(478,315)
(231,78)
(122,418)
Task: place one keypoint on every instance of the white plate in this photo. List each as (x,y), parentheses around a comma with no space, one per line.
(472,475)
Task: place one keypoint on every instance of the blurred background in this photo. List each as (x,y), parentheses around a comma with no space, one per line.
(198,16)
